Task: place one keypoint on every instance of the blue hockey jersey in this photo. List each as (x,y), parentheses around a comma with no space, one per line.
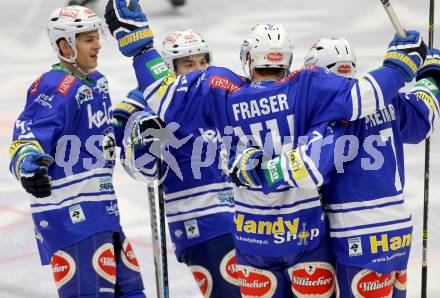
(361,167)
(71,120)
(269,115)
(199,202)
(370,226)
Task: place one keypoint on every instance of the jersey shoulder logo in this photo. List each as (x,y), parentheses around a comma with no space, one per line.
(220,82)
(65,85)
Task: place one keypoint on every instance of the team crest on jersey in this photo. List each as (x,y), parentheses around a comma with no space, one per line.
(203,279)
(63,268)
(128,257)
(369,284)
(223,83)
(65,85)
(102,85)
(314,279)
(227,268)
(400,279)
(104,262)
(255,282)
(83,94)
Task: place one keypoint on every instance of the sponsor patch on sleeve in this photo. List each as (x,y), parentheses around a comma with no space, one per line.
(65,85)
(223,83)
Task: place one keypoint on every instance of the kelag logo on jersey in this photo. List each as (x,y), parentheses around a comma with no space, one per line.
(99,118)
(282,230)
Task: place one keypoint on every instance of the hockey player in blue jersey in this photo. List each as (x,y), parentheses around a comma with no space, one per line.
(63,152)
(281,236)
(198,200)
(370,227)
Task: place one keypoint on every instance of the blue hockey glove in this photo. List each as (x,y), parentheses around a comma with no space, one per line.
(33,173)
(407,54)
(146,129)
(244,167)
(134,102)
(129,25)
(431,67)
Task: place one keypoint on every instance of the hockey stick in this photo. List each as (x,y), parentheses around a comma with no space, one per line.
(158,233)
(426,178)
(155,235)
(393,18)
(163,239)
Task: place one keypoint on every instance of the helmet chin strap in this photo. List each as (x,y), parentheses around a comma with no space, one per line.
(72,61)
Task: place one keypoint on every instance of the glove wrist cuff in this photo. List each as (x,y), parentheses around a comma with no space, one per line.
(143,50)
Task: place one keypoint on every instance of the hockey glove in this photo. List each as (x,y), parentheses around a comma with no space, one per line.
(407,54)
(146,129)
(245,166)
(133,103)
(33,174)
(431,67)
(129,25)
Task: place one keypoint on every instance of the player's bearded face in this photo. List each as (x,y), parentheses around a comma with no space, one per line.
(88,46)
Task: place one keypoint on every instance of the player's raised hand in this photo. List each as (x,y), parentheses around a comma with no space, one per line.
(406,53)
(431,67)
(129,25)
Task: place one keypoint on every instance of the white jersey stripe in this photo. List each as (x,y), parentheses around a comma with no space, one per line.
(343,220)
(372,230)
(79,199)
(200,213)
(366,204)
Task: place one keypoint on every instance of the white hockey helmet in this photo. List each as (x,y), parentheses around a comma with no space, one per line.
(67,22)
(184,43)
(266,46)
(335,54)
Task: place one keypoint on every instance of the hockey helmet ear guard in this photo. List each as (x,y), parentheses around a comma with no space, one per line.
(266,46)
(184,43)
(67,22)
(335,54)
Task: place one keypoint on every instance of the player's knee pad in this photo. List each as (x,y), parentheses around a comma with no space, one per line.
(315,279)
(63,268)
(228,268)
(370,284)
(256,282)
(203,279)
